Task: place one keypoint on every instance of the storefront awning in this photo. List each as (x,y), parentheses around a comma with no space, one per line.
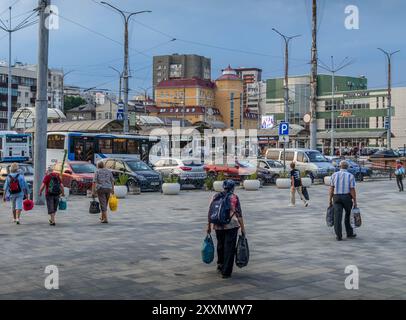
(364,134)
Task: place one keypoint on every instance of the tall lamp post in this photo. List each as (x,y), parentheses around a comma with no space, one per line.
(126,16)
(389,130)
(120,74)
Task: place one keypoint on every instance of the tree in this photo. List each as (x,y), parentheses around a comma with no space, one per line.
(71,102)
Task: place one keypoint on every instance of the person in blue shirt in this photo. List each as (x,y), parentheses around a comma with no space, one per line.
(15,188)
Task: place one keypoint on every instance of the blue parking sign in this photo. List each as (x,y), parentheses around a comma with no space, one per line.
(284,129)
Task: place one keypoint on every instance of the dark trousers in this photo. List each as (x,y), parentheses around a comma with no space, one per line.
(399,181)
(342,202)
(226,243)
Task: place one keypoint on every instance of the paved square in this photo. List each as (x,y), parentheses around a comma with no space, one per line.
(151,249)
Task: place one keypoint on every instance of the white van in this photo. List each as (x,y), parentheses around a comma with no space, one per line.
(307,160)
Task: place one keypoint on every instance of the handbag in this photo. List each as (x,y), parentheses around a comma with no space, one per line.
(94,207)
(355,218)
(330,216)
(242,253)
(208,249)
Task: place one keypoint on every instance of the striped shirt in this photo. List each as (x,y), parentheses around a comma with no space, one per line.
(342,181)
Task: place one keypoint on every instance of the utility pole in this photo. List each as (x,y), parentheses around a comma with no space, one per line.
(41,107)
(120,74)
(9,29)
(389,130)
(313,80)
(126,16)
(333,69)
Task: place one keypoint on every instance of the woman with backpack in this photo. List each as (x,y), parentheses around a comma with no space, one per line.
(226,227)
(15,188)
(53,186)
(400,172)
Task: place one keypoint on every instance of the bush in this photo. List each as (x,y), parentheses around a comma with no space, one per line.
(122,180)
(209,183)
(221,177)
(253,176)
(172,178)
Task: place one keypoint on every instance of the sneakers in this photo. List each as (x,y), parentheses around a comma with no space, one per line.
(291,205)
(352,236)
(306,203)
(17,221)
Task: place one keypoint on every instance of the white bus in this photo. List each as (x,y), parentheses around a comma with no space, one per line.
(93,147)
(14,147)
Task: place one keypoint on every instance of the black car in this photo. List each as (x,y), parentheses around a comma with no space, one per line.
(266,177)
(25,168)
(385,154)
(139,173)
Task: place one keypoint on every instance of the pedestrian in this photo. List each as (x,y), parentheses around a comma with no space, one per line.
(53,186)
(227,234)
(342,196)
(103,187)
(296,186)
(399,173)
(15,188)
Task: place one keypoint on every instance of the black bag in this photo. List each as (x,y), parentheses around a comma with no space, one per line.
(330,216)
(305,193)
(242,252)
(94,207)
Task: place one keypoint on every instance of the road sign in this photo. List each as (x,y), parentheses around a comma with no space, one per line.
(120,114)
(284,129)
(284,139)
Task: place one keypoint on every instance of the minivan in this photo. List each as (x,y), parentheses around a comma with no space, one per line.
(311,162)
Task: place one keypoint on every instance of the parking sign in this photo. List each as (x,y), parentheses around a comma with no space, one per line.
(284,129)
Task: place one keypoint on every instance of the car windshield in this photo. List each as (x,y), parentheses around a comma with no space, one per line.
(245,164)
(83,168)
(138,166)
(315,156)
(192,163)
(275,164)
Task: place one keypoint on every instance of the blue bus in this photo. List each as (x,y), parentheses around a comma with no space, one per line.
(93,147)
(14,147)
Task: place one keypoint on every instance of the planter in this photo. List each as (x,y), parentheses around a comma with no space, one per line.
(120,191)
(170,188)
(252,185)
(218,186)
(327,180)
(306,182)
(283,183)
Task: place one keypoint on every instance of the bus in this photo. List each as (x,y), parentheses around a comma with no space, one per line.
(14,147)
(93,147)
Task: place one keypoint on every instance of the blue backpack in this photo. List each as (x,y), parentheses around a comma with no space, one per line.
(220,207)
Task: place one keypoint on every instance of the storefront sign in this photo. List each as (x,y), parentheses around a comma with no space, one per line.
(345,114)
(356,94)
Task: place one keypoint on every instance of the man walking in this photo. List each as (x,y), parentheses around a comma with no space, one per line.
(399,173)
(296,186)
(343,197)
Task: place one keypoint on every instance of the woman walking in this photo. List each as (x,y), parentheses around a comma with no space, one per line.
(400,172)
(15,188)
(103,187)
(227,234)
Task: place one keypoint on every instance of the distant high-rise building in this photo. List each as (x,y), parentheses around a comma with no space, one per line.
(180,66)
(251,78)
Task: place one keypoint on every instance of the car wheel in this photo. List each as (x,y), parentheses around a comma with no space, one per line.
(132,185)
(74,187)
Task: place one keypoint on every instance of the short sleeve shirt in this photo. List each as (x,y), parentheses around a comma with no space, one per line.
(104,179)
(296,176)
(342,181)
(47,180)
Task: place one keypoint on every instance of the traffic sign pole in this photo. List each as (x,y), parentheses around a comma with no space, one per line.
(283,132)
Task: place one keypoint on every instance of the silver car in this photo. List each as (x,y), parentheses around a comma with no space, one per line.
(189,171)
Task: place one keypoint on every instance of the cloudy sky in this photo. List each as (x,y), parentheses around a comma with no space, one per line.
(236,32)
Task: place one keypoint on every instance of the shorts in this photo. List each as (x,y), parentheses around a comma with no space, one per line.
(17,201)
(52,203)
(104,194)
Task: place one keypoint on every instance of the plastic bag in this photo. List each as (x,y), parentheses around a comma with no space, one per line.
(208,249)
(355,218)
(62,205)
(94,207)
(28,205)
(243,253)
(330,216)
(113,203)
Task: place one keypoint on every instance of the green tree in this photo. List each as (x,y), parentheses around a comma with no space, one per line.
(71,102)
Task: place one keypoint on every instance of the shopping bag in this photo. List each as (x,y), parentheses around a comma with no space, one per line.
(208,249)
(355,218)
(330,216)
(305,193)
(28,205)
(62,205)
(113,202)
(242,253)
(94,207)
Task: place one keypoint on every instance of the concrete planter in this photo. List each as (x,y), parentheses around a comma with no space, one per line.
(120,191)
(306,182)
(252,185)
(218,186)
(327,180)
(171,188)
(283,183)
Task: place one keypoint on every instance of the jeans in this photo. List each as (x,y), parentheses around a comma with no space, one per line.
(226,247)
(342,202)
(399,181)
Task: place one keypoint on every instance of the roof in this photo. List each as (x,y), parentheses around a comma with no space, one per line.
(29,112)
(150,121)
(84,126)
(186,83)
(294,130)
(229,74)
(212,124)
(83,108)
(362,134)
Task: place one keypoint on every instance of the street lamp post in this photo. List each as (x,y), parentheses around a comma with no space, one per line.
(126,16)
(120,74)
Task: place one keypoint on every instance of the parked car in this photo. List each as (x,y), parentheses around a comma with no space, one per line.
(25,168)
(386,154)
(238,171)
(139,173)
(274,168)
(311,162)
(189,171)
(360,172)
(76,175)
(402,152)
(266,177)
